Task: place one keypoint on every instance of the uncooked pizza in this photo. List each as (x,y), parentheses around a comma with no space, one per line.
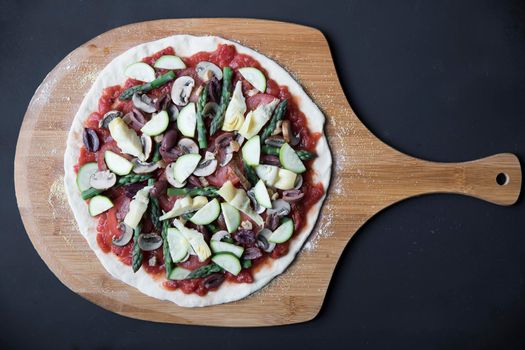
(196,169)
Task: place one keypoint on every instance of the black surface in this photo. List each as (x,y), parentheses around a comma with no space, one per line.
(441,80)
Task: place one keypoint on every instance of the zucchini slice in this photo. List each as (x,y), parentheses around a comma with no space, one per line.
(179,273)
(251,151)
(140,71)
(290,160)
(254,77)
(261,195)
(187,120)
(232,217)
(157,124)
(178,245)
(223,247)
(283,232)
(169,62)
(207,214)
(228,261)
(117,164)
(84,173)
(99,204)
(185,165)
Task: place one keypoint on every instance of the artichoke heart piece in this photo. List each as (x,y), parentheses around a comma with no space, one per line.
(256,119)
(185,205)
(127,139)
(137,207)
(195,239)
(238,199)
(234,116)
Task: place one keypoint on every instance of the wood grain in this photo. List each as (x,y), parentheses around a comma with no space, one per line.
(368,175)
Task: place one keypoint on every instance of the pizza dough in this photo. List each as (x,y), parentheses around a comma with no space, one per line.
(113,74)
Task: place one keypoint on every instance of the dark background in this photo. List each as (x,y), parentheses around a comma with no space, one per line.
(441,80)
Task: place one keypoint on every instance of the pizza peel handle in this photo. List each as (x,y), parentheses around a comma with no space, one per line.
(496,179)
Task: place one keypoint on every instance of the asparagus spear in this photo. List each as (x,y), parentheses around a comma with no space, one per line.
(163,79)
(168,264)
(204,271)
(125,180)
(212,228)
(303,155)
(131,179)
(250,173)
(137,253)
(278,115)
(154,209)
(246,264)
(201,128)
(90,192)
(218,120)
(209,191)
(156,153)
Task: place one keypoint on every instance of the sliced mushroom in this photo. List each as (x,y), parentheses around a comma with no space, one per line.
(143,102)
(147,146)
(210,109)
(288,135)
(207,70)
(278,129)
(171,178)
(108,117)
(239,139)
(223,140)
(149,241)
(193,181)
(90,139)
(258,208)
(140,167)
(234,145)
(159,187)
(214,89)
(162,103)
(270,159)
(126,234)
(173,112)
(298,182)
(239,173)
(228,156)
(102,180)
(170,155)
(275,141)
(287,130)
(262,240)
(272,221)
(135,119)
(204,182)
(207,166)
(280,207)
(181,90)
(292,195)
(188,146)
(220,235)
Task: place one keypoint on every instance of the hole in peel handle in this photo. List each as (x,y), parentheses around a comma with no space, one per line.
(496,178)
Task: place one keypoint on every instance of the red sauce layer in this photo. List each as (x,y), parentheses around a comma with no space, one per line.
(153,262)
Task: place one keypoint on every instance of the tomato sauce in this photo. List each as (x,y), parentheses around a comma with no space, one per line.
(153,262)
